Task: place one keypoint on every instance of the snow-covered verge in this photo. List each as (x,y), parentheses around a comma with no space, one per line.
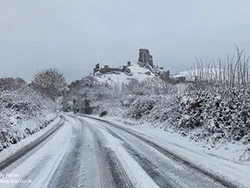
(23,112)
(13,149)
(35,169)
(222,161)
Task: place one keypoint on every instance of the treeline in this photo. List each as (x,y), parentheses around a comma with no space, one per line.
(49,83)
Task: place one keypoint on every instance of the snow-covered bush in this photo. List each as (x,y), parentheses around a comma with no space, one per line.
(225,111)
(217,113)
(23,112)
(141,107)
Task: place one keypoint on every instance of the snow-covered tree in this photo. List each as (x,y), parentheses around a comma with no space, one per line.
(50,83)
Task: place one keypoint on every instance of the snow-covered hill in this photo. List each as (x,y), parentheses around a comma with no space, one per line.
(118,78)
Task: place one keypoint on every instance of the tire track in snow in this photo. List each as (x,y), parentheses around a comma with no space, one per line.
(173,156)
(65,175)
(89,176)
(112,172)
(160,179)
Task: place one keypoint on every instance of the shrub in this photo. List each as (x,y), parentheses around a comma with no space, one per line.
(104,113)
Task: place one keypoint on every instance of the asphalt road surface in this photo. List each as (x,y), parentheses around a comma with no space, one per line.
(90,153)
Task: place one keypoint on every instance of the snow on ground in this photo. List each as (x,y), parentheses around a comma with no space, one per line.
(26,141)
(222,161)
(121,78)
(41,165)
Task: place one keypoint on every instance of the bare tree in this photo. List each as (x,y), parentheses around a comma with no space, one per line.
(50,83)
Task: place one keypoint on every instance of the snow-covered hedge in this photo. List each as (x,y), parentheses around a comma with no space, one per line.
(23,112)
(221,111)
(141,107)
(214,113)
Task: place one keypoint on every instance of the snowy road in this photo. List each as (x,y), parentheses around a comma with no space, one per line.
(89,153)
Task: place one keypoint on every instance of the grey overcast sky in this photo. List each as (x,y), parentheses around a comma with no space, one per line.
(73,35)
